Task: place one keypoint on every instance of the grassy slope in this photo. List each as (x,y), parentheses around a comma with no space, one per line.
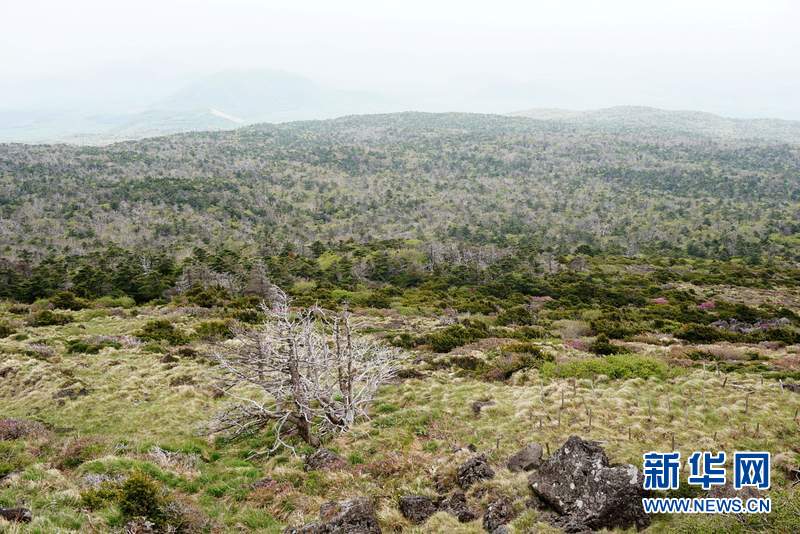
(132,406)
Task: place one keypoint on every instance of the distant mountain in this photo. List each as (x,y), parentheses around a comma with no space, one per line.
(629,119)
(220,102)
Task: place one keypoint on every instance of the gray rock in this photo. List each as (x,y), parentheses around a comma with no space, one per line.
(527,459)
(498,513)
(324,459)
(473,470)
(19,515)
(355,516)
(587,492)
(417,508)
(456,505)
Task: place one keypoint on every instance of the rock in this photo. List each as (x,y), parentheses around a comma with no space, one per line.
(456,505)
(527,459)
(19,515)
(580,485)
(473,470)
(356,516)
(502,529)
(497,514)
(479,405)
(324,459)
(417,508)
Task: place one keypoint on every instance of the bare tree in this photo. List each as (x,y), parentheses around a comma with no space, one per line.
(305,372)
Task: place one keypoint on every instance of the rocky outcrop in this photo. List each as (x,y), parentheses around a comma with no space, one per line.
(354,516)
(417,508)
(588,493)
(526,459)
(473,470)
(324,459)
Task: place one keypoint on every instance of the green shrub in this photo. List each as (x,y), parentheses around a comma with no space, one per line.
(698,333)
(6,330)
(141,496)
(106,494)
(456,335)
(213,330)
(603,346)
(507,363)
(49,318)
(615,366)
(92,346)
(115,302)
(161,330)
(518,315)
(65,300)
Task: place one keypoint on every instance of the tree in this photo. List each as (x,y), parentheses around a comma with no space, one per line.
(307,373)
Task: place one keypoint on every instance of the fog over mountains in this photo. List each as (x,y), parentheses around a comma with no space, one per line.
(116,106)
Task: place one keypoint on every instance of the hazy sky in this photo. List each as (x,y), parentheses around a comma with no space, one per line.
(731,57)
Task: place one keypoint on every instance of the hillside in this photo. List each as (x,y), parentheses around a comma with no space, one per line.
(395,323)
(629,119)
(464,178)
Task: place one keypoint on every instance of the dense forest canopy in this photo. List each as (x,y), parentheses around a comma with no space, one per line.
(468,179)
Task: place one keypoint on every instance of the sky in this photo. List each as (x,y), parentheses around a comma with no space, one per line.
(730,57)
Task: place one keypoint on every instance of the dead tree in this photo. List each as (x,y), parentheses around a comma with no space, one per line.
(303,372)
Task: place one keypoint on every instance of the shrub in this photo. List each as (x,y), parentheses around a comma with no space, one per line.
(90,346)
(518,315)
(77,451)
(214,330)
(105,494)
(115,302)
(161,330)
(141,496)
(616,366)
(604,347)
(456,335)
(698,333)
(6,330)
(49,318)
(508,363)
(65,300)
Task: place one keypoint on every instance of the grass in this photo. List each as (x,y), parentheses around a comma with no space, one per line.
(632,403)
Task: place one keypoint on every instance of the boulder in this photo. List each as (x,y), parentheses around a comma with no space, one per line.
(456,505)
(355,516)
(324,459)
(498,513)
(19,515)
(417,508)
(473,470)
(527,459)
(580,485)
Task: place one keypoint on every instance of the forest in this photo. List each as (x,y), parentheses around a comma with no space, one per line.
(508,282)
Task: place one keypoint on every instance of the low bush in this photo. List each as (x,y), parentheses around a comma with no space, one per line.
(49,318)
(603,346)
(6,330)
(141,496)
(214,330)
(65,300)
(161,330)
(457,335)
(616,366)
(90,346)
